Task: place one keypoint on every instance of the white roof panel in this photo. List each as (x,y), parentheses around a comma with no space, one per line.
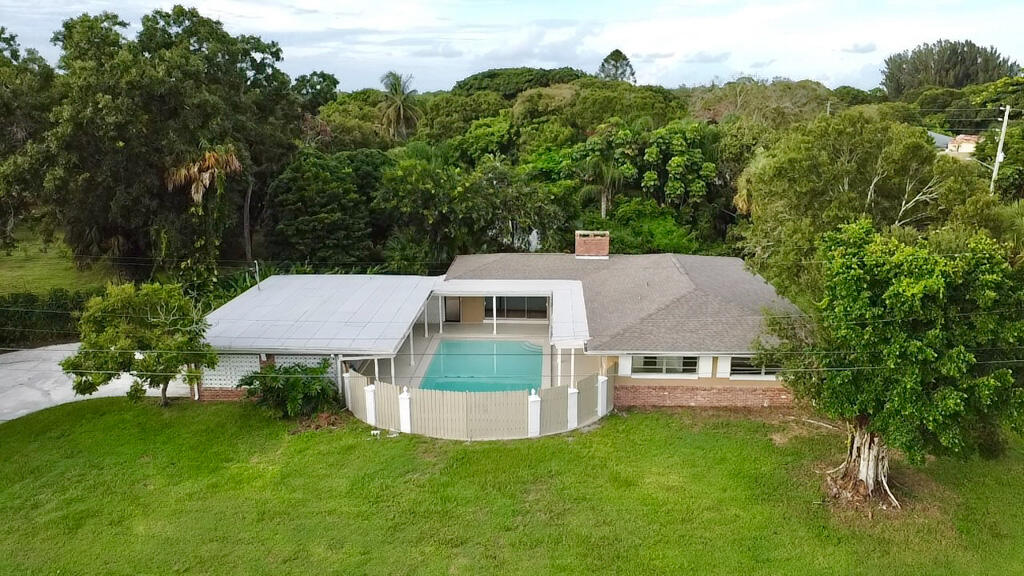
(321,313)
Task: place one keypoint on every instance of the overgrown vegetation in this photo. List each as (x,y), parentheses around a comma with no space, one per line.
(293,389)
(33,319)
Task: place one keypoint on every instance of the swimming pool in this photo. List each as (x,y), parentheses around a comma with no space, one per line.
(484,366)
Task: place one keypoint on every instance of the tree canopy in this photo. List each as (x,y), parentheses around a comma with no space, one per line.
(912,344)
(945,64)
(616,66)
(153,333)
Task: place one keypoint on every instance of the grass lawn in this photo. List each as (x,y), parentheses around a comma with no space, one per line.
(102,486)
(29,269)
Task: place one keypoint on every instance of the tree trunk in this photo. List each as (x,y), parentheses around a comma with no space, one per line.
(604,204)
(246,232)
(163,393)
(865,473)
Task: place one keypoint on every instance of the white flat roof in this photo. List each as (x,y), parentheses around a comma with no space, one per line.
(368,315)
(321,314)
(568,322)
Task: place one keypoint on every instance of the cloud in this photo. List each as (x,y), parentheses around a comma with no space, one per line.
(858,48)
(763,63)
(646,57)
(707,57)
(438,51)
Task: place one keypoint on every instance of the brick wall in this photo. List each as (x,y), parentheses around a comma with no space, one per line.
(771,395)
(207,394)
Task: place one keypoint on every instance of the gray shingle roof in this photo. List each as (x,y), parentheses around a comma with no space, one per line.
(651,302)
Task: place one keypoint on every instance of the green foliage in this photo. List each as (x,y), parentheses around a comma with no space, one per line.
(399,113)
(153,332)
(318,213)
(1010,182)
(31,319)
(778,104)
(928,329)
(315,89)
(350,122)
(641,226)
(131,110)
(616,66)
(294,389)
(596,101)
(450,114)
(487,136)
(26,98)
(511,81)
(946,64)
(834,171)
(855,96)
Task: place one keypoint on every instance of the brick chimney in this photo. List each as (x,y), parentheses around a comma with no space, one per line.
(592,244)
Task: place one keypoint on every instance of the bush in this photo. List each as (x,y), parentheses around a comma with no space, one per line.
(28,319)
(294,389)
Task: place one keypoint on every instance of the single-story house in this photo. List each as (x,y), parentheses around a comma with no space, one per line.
(657,329)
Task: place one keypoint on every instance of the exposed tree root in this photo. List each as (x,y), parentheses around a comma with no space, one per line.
(864,476)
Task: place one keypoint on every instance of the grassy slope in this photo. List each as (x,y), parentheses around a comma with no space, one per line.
(29,269)
(101,486)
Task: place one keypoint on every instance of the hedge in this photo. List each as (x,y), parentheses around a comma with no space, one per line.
(28,319)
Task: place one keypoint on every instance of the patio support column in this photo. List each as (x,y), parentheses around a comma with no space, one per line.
(426,334)
(412,350)
(572,366)
(494,313)
(558,364)
(440,314)
(376,370)
(394,379)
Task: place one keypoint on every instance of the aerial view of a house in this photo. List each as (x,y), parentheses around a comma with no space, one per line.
(461,287)
(664,329)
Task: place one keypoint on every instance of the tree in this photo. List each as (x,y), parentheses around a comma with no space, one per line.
(912,345)
(833,171)
(317,213)
(616,66)
(214,165)
(603,177)
(509,82)
(131,110)
(946,64)
(315,89)
(26,98)
(399,113)
(153,333)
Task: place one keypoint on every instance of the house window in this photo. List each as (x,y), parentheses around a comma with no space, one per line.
(665,364)
(745,366)
(517,307)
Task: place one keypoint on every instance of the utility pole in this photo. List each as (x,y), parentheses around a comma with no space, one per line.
(999,150)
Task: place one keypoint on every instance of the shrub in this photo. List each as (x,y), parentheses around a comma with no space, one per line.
(293,389)
(29,319)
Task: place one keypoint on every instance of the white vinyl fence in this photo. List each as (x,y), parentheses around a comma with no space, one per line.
(478,415)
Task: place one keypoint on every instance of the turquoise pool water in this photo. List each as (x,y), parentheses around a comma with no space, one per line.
(484,366)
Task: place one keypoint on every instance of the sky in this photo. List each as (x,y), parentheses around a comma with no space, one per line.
(669,42)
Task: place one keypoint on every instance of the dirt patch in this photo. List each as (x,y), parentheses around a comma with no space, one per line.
(321,421)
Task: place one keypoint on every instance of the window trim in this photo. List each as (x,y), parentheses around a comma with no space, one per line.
(762,376)
(664,375)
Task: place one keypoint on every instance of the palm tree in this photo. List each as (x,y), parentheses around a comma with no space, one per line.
(213,166)
(604,177)
(399,114)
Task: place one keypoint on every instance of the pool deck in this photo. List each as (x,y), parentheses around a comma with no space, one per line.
(410,367)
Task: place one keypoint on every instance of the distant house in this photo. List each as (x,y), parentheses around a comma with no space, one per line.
(940,141)
(963,144)
(587,329)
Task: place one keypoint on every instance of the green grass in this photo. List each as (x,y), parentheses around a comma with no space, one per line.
(102,486)
(29,269)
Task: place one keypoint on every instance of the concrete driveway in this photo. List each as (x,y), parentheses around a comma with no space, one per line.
(31,380)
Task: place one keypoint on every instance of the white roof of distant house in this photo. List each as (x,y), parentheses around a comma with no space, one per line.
(321,314)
